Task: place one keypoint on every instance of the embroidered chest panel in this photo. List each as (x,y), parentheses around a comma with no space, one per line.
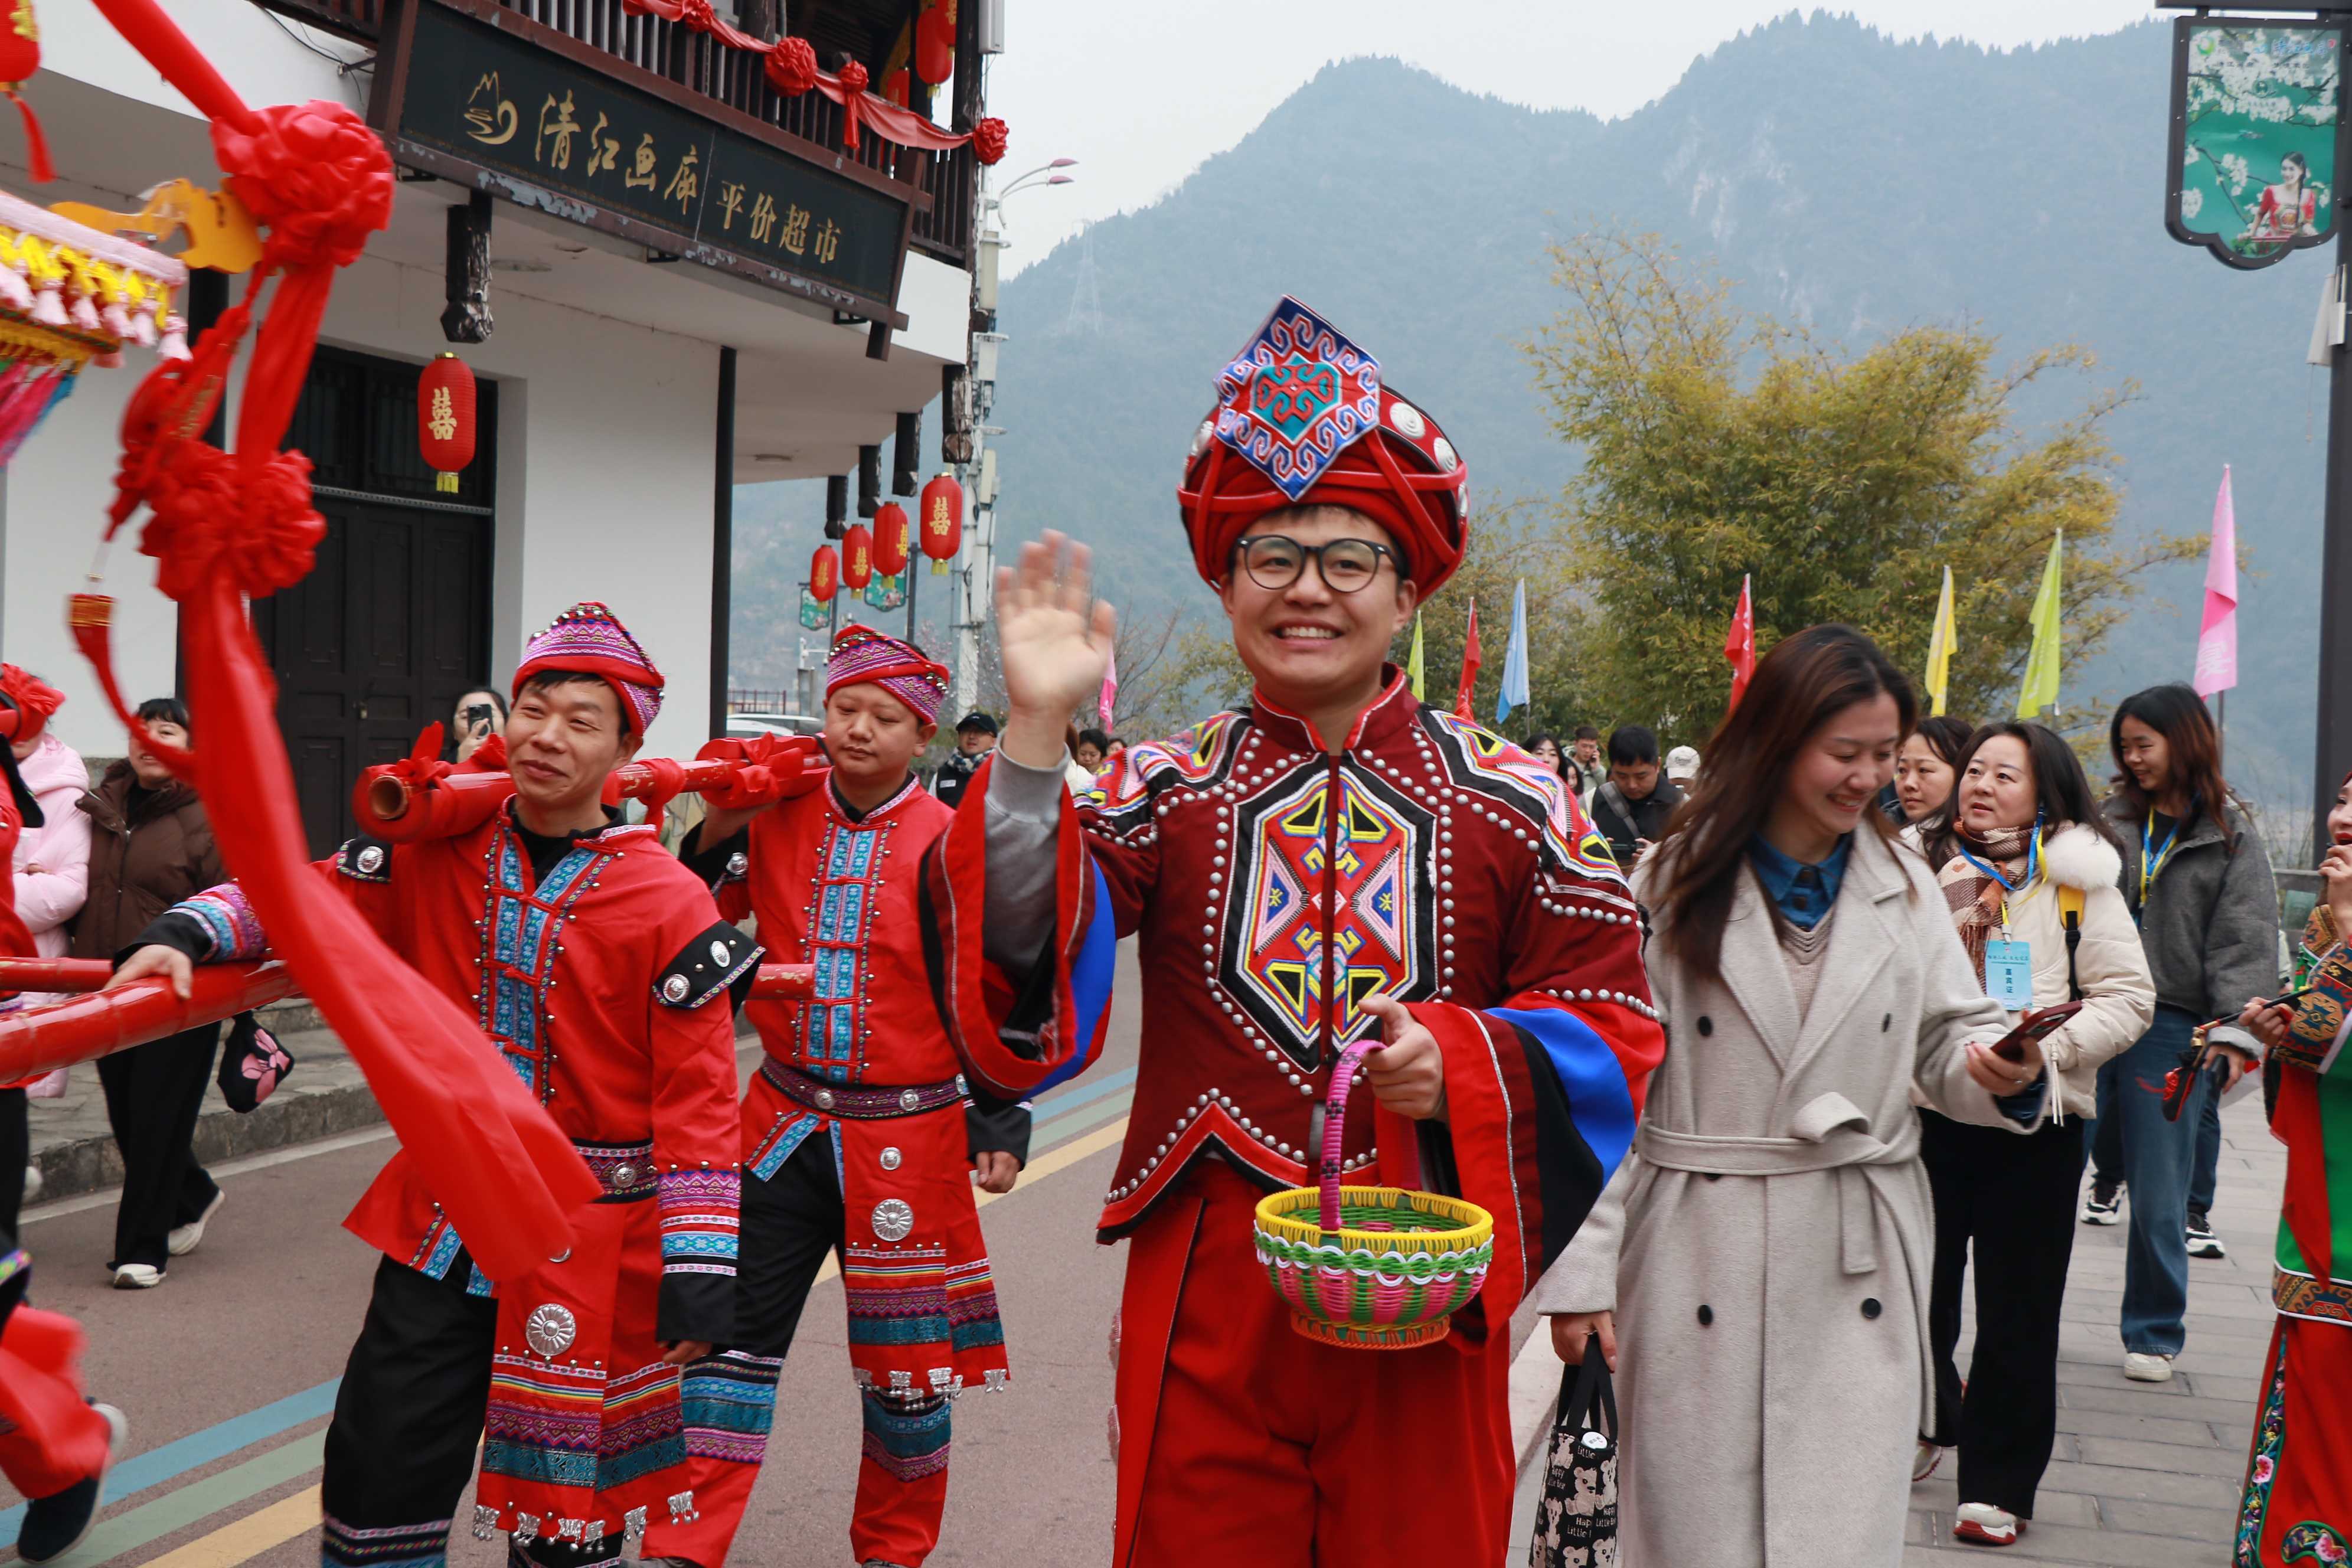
(1329,903)
(846,901)
(521,927)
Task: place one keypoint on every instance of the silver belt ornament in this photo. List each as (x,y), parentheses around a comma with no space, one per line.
(894,1220)
(550,1330)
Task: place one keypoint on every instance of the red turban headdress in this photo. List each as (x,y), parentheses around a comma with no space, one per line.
(35,699)
(862,656)
(1303,420)
(591,639)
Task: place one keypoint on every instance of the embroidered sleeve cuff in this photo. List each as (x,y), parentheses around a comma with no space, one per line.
(216,925)
(701,1212)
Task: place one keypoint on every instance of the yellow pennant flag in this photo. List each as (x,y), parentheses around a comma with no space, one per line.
(1939,649)
(2040,689)
(1413,665)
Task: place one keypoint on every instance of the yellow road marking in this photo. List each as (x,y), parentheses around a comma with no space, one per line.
(250,1537)
(1054,1159)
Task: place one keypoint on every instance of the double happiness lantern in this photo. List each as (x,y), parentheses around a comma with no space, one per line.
(856,556)
(890,542)
(935,43)
(943,512)
(445,418)
(824,574)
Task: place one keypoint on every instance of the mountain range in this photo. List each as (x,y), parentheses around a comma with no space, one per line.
(1839,178)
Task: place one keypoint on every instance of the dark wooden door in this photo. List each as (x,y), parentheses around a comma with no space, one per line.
(393,622)
(381,638)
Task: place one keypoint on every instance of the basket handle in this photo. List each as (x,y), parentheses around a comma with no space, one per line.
(1335,1126)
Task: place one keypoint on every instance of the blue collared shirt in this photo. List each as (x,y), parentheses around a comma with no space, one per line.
(1803,892)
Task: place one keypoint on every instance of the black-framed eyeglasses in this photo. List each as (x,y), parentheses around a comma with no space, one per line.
(1274,561)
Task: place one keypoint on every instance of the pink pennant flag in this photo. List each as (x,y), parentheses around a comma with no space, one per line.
(1108,702)
(2217,633)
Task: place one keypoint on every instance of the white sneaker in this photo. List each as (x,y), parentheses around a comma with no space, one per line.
(1924,1460)
(1986,1525)
(138,1276)
(184,1238)
(33,1183)
(2143,1367)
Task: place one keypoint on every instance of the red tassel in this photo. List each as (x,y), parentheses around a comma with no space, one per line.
(37,146)
(90,618)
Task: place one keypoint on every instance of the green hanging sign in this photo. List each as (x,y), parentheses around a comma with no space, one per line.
(2254,145)
(885,593)
(814,615)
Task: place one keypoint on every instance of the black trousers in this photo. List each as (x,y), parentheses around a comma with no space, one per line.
(15,1153)
(407,1417)
(790,1222)
(153,1095)
(2012,1197)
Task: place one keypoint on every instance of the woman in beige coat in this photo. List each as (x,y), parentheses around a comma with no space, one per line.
(1767,1245)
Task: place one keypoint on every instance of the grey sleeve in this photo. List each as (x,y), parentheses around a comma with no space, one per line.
(1025,807)
(2242,940)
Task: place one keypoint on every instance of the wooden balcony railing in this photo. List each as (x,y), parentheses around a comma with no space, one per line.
(701,67)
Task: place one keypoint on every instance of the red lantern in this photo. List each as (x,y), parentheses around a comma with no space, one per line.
(858,556)
(445,418)
(935,45)
(824,574)
(942,507)
(890,531)
(894,87)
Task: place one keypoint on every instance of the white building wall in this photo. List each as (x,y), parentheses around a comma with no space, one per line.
(605,456)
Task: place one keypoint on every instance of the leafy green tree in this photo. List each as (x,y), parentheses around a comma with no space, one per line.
(1717,443)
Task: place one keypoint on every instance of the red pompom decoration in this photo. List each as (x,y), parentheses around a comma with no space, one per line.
(935,46)
(890,539)
(988,141)
(824,574)
(895,87)
(792,67)
(857,556)
(853,77)
(445,418)
(943,505)
(317,178)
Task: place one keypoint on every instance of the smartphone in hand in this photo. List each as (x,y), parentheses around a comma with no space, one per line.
(2033,1026)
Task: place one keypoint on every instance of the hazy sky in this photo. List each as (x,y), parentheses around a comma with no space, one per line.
(1141,92)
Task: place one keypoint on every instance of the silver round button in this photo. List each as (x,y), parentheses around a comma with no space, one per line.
(894,1219)
(674,989)
(549,1328)
(371,859)
(624,1176)
(719,955)
(908,1099)
(891,1159)
(738,863)
(825,1099)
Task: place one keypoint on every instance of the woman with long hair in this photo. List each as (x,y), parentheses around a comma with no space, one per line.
(2199,882)
(1928,765)
(1767,1241)
(2029,870)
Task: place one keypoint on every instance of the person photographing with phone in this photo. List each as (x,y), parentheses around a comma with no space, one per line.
(2028,872)
(2297,1502)
(475,717)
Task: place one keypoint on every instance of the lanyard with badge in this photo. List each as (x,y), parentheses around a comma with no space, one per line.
(2153,857)
(2009,963)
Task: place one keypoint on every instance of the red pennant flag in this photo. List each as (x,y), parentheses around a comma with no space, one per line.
(1462,709)
(1739,646)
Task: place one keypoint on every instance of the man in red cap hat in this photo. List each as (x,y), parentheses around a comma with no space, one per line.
(599,967)
(1338,863)
(859,1132)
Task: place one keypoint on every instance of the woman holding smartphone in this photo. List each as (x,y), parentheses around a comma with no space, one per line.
(478,715)
(2028,872)
(1766,1242)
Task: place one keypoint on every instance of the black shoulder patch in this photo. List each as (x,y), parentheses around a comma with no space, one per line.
(720,958)
(364,860)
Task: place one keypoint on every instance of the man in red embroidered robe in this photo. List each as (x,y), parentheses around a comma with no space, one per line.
(600,967)
(1339,861)
(856,1134)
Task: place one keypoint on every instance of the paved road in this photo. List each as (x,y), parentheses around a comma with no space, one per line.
(228,1369)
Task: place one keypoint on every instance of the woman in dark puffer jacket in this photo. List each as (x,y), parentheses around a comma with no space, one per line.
(151,846)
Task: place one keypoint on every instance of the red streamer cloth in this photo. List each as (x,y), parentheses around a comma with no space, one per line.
(791,70)
(225,528)
(37,144)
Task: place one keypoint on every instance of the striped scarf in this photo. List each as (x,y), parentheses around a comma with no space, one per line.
(1974,897)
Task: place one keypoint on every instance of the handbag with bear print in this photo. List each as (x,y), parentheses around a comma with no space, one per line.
(1576,1521)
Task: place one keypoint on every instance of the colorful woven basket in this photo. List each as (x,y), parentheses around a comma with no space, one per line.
(1371,1268)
